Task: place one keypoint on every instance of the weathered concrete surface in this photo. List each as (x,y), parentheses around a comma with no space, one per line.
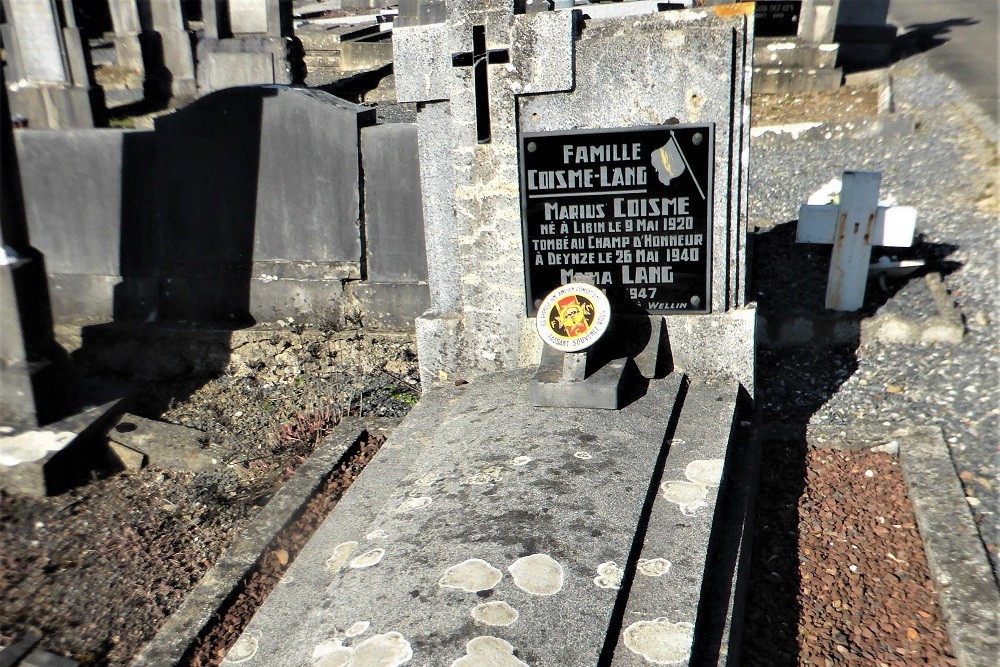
(182,628)
(163,445)
(537,499)
(47,460)
(394,221)
(665,586)
(966,585)
(564,73)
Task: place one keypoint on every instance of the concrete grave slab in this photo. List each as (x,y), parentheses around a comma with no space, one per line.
(47,460)
(488,541)
(162,445)
(662,608)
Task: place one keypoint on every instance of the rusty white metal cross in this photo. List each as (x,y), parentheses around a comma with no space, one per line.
(853,226)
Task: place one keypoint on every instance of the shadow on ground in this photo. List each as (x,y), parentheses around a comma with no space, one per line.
(793,384)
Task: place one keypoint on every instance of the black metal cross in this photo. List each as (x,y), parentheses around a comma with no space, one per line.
(479,58)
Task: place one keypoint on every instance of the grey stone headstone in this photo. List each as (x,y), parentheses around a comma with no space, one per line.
(818,20)
(563,74)
(49,65)
(248,16)
(394,221)
(269,17)
(240,69)
(242,61)
(167,49)
(87,198)
(39,40)
(30,379)
(260,180)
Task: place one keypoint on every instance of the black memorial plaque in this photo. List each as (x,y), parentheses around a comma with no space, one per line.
(777,18)
(630,208)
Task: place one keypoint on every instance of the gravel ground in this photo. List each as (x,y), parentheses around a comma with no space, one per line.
(947,169)
(838,570)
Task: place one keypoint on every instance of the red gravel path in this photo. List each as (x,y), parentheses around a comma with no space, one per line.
(838,569)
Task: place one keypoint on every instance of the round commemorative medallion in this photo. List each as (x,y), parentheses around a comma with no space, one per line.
(573,317)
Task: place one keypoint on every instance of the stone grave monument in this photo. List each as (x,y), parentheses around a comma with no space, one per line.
(167,51)
(864,33)
(127,34)
(43,427)
(794,47)
(246,42)
(493,531)
(50,83)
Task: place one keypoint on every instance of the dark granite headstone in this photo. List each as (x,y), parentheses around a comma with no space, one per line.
(777,18)
(255,182)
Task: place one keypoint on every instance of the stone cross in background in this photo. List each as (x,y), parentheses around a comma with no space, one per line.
(853,226)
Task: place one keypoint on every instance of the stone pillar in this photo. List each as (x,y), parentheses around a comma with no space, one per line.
(261,17)
(260,50)
(817,20)
(30,376)
(125,20)
(215,16)
(51,85)
(167,50)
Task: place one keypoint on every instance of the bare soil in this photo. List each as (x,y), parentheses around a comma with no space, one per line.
(843,104)
(220,636)
(98,569)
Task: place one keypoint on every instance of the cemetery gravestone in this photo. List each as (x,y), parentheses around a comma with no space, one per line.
(50,82)
(42,427)
(548,512)
(257,52)
(479,320)
(794,50)
(249,210)
(127,34)
(31,378)
(167,51)
(777,18)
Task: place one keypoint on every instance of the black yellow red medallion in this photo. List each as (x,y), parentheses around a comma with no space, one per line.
(573,317)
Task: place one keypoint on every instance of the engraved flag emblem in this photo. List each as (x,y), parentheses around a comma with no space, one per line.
(668,162)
